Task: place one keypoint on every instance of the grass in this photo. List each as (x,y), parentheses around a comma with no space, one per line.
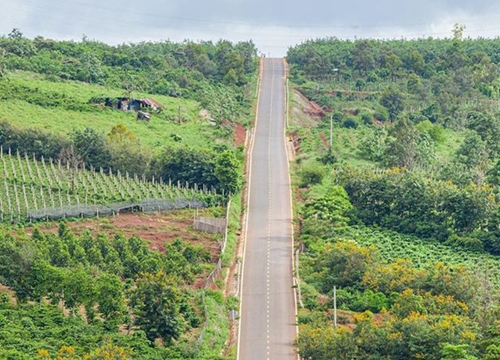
(216,332)
(453,140)
(234,226)
(155,134)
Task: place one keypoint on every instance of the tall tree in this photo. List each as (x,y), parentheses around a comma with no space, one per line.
(394,101)
(156,301)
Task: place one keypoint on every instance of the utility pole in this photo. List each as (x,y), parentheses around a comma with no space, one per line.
(331,130)
(335,307)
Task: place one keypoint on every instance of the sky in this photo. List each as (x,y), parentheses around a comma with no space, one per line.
(273,25)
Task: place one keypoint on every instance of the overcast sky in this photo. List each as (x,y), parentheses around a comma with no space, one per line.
(273,25)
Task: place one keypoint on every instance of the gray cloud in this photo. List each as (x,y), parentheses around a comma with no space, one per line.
(272,24)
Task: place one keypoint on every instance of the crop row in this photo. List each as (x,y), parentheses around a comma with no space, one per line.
(29,185)
(421,252)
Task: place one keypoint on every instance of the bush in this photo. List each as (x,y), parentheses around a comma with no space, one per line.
(311,174)
(369,300)
(468,243)
(350,122)
(309,296)
(367,118)
(381,113)
(337,117)
(436,132)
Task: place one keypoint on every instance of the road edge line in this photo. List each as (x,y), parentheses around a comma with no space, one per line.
(292,233)
(247,203)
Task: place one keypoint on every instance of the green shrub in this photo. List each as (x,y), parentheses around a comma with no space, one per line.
(369,300)
(350,122)
(465,242)
(367,118)
(311,174)
(381,113)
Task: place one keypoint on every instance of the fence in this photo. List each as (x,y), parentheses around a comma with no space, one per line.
(210,225)
(214,275)
(146,206)
(297,274)
(219,226)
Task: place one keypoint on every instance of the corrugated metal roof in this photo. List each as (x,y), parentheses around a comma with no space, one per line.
(151,102)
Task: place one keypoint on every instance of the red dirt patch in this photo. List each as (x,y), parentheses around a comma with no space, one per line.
(324,140)
(239,135)
(157,229)
(311,108)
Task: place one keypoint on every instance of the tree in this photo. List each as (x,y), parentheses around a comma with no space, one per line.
(91,68)
(16,261)
(373,146)
(363,56)
(108,352)
(488,128)
(73,161)
(416,62)
(393,63)
(18,45)
(311,173)
(473,153)
(188,165)
(2,62)
(92,147)
(414,86)
(492,353)
(360,84)
(110,298)
(325,343)
(78,288)
(458,31)
(456,352)
(127,154)
(231,78)
(227,171)
(402,145)
(156,301)
(394,101)
(120,134)
(345,263)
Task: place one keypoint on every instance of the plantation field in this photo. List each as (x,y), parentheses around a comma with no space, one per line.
(59,107)
(422,253)
(32,189)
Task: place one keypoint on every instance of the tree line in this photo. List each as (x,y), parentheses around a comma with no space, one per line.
(120,150)
(167,68)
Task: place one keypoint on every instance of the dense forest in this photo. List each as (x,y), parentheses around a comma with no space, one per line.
(399,182)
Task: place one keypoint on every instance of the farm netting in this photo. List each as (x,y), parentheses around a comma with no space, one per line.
(147,206)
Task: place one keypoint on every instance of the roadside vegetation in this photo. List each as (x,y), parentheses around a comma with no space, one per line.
(122,290)
(399,205)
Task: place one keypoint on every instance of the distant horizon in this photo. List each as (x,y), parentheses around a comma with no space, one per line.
(272,26)
(352,39)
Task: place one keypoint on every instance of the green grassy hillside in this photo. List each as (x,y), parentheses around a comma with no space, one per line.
(30,101)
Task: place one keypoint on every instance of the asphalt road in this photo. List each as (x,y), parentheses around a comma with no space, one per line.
(267,313)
